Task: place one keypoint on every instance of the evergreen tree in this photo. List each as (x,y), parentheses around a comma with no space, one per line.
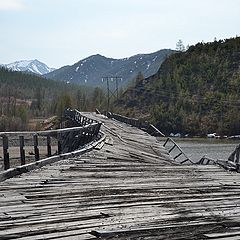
(179,46)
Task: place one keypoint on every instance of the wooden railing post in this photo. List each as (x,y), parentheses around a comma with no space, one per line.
(6,162)
(80,120)
(237,154)
(59,137)
(166,142)
(36,150)
(84,121)
(49,148)
(84,136)
(59,147)
(22,151)
(97,129)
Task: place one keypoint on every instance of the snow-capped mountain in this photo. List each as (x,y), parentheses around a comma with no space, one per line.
(30,66)
(91,70)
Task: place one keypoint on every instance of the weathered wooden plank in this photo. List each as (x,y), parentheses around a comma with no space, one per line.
(129,187)
(223,234)
(227,238)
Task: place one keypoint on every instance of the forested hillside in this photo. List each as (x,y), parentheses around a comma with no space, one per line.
(24,96)
(194,92)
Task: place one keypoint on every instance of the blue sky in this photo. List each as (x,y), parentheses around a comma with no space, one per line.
(62,32)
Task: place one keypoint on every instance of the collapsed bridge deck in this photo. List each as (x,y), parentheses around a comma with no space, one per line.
(126,188)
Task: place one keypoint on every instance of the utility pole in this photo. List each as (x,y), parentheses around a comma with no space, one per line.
(117,87)
(108,90)
(112,93)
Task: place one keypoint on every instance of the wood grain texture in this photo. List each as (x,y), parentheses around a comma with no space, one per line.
(128,188)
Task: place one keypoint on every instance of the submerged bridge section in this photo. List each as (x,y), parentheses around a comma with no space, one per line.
(127,187)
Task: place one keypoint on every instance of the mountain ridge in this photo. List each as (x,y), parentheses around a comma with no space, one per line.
(29,66)
(90,71)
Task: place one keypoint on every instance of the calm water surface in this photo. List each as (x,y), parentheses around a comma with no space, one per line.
(196,148)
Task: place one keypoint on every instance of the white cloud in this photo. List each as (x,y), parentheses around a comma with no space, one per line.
(8,5)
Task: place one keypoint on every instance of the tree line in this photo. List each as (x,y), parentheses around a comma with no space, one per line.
(24,96)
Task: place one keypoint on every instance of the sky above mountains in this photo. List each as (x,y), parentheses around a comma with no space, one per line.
(61,32)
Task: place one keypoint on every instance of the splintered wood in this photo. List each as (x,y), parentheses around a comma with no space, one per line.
(128,188)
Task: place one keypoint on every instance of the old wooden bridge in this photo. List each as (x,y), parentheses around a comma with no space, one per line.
(122,184)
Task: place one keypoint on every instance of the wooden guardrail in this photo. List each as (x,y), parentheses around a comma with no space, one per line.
(144,125)
(77,118)
(178,154)
(65,140)
(235,156)
(232,163)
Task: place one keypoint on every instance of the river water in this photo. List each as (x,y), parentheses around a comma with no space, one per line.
(196,148)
